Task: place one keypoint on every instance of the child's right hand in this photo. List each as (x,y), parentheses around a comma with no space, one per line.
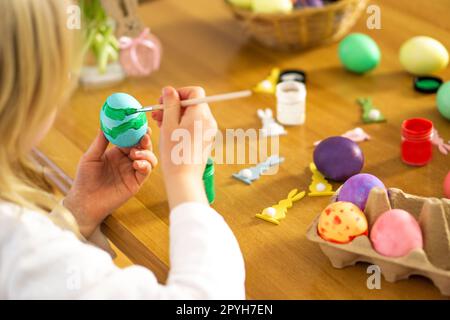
(186,138)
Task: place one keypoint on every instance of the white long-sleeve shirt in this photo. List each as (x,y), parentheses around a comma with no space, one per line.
(39,260)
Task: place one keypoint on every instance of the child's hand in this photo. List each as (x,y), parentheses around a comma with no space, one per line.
(183,158)
(106,179)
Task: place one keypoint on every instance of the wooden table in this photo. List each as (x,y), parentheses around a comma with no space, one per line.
(204,46)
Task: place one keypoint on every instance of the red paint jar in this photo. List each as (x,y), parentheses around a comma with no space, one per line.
(417,149)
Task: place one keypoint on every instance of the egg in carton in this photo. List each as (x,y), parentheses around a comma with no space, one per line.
(433,261)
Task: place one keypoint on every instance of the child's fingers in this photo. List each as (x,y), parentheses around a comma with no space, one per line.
(97,148)
(146,142)
(142,166)
(184,94)
(157,115)
(171,114)
(143,169)
(191,92)
(145,155)
(197,111)
(125,151)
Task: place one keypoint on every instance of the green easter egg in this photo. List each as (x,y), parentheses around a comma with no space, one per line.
(443,100)
(359,53)
(119,121)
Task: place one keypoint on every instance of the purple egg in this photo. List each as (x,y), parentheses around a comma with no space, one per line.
(356,189)
(338,158)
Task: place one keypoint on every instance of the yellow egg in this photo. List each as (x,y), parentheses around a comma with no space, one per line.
(272,6)
(423,55)
(242,3)
(341,222)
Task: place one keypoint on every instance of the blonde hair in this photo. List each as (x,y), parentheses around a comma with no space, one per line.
(37,56)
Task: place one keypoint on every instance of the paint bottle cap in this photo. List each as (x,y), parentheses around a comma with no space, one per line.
(417,129)
(292,75)
(427,84)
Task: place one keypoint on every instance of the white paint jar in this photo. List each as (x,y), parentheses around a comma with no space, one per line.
(291,102)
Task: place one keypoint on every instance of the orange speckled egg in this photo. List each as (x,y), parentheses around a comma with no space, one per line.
(341,222)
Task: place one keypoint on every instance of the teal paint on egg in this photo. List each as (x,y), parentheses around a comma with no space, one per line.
(359,53)
(443,100)
(118,121)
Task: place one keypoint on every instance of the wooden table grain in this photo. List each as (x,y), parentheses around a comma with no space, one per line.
(203,45)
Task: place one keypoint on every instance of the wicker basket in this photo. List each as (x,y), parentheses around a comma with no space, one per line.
(302,28)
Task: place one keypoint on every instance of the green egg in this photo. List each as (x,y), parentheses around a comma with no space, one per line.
(443,100)
(119,121)
(359,53)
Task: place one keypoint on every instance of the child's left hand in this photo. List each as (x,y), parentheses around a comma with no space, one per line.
(106,179)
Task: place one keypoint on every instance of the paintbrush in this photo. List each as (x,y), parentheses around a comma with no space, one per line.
(190,102)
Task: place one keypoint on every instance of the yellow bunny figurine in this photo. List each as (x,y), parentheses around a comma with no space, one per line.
(278,212)
(319,185)
(269,84)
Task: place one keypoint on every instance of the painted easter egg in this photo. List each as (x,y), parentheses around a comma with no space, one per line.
(120,123)
(272,6)
(396,233)
(447,186)
(359,53)
(357,188)
(341,222)
(246,4)
(423,55)
(443,100)
(338,158)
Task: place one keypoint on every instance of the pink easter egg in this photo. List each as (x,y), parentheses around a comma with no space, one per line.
(142,58)
(447,186)
(396,233)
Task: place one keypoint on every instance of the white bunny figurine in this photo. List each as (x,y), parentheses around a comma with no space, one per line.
(270,127)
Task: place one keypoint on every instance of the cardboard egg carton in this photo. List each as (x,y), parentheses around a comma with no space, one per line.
(433,261)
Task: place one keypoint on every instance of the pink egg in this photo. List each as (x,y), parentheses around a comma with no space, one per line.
(447,186)
(396,233)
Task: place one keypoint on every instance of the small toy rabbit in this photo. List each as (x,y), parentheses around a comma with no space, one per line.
(370,113)
(250,174)
(270,127)
(124,13)
(319,185)
(443,147)
(269,84)
(356,135)
(278,212)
